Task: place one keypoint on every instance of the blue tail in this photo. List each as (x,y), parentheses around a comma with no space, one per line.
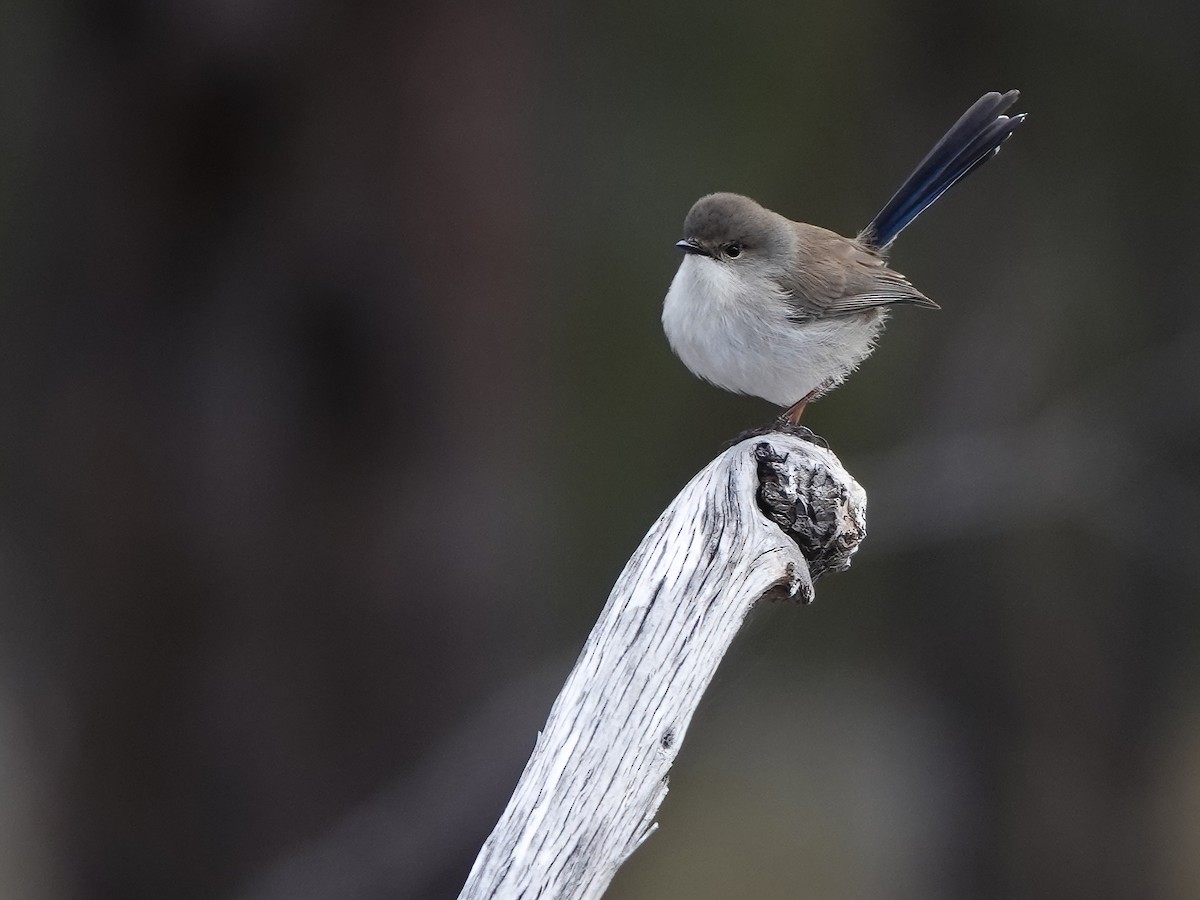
(974,139)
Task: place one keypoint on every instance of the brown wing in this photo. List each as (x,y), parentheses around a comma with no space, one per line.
(838,276)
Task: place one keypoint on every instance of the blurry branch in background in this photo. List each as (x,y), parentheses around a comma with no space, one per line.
(405,837)
(589,794)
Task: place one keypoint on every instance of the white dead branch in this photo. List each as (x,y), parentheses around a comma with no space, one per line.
(589,794)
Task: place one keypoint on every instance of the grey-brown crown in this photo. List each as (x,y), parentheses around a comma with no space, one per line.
(717,220)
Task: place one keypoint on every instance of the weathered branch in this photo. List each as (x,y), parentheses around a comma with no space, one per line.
(589,794)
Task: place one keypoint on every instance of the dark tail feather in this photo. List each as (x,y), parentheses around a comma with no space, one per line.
(974,139)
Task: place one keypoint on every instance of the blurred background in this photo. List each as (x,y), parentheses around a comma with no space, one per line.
(333,398)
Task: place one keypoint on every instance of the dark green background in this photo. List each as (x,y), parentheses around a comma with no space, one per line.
(333,397)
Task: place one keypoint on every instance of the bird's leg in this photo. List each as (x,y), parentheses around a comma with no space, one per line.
(796,410)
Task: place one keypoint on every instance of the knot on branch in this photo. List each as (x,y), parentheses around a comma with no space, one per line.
(812,498)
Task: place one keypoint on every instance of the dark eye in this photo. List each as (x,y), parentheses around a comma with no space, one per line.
(734,250)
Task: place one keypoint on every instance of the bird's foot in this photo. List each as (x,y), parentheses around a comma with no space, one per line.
(782,425)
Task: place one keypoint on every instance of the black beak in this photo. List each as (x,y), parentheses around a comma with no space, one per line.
(687,245)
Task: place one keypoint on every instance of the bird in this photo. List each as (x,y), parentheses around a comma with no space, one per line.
(785,311)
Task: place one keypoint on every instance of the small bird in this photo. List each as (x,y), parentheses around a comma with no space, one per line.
(777,309)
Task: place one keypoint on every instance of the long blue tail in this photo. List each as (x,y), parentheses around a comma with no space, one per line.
(974,139)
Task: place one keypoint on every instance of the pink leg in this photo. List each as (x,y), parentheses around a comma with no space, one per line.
(796,410)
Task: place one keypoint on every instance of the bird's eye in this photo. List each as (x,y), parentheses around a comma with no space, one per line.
(734,250)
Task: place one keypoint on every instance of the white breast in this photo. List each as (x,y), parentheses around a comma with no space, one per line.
(732,329)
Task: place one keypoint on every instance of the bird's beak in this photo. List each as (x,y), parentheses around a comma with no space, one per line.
(688,245)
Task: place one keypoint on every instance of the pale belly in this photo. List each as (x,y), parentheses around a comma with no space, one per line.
(743,341)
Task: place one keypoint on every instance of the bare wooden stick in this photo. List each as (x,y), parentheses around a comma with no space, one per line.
(589,794)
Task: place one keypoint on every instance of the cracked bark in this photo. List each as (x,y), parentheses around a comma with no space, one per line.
(761,521)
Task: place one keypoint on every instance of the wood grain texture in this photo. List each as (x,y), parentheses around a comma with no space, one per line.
(598,774)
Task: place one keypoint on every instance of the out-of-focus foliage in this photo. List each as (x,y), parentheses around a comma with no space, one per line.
(333,397)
